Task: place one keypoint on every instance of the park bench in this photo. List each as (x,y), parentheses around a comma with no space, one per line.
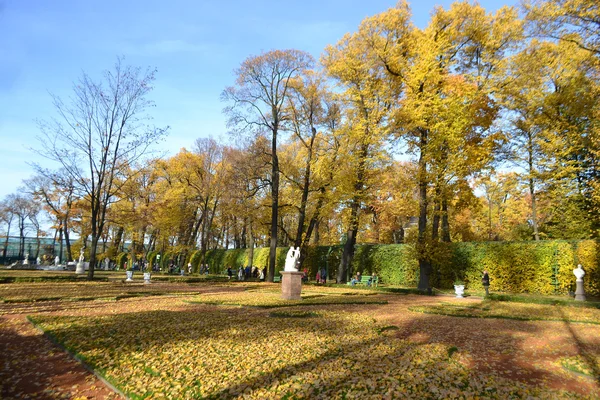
(364,280)
(277,279)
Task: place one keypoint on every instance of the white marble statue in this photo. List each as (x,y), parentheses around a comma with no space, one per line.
(80,266)
(26,259)
(106,263)
(579,273)
(38,261)
(56,261)
(291,259)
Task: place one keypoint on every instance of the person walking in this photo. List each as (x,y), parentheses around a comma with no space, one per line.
(485,280)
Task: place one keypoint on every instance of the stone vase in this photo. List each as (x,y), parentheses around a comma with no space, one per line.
(147,276)
(129,275)
(459,290)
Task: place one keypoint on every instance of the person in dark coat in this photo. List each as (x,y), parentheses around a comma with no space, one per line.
(485,280)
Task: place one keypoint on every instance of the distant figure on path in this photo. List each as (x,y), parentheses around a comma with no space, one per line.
(485,280)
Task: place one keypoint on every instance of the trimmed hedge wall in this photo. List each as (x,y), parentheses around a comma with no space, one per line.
(543,267)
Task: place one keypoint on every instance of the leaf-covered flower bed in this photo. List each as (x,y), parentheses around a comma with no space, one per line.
(228,352)
(77,291)
(519,311)
(272,299)
(581,365)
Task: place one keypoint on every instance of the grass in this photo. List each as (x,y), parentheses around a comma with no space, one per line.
(536,299)
(513,310)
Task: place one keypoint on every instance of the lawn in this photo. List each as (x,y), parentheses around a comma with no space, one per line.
(240,340)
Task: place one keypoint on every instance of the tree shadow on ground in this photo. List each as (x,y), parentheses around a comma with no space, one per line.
(584,350)
(513,349)
(377,365)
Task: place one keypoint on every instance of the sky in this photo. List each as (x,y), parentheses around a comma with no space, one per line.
(195,46)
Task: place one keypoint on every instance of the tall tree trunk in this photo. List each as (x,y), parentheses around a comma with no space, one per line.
(435,225)
(317,238)
(37,241)
(422,251)
(68,243)
(344,271)
(305,190)
(536,233)
(118,239)
(251,252)
(490,231)
(5,249)
(274,208)
(445,222)
(21,237)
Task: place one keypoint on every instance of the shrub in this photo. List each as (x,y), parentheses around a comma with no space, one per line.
(543,267)
(122,259)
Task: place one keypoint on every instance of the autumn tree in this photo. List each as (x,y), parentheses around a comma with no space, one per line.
(394,202)
(574,21)
(309,156)
(366,92)
(56,191)
(23,207)
(7,217)
(97,134)
(444,79)
(257,106)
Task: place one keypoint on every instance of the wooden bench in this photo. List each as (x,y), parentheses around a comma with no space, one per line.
(364,280)
(277,279)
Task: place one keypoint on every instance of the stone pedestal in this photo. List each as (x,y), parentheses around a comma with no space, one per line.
(291,285)
(80,268)
(579,292)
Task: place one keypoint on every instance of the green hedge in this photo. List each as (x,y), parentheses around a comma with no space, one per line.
(543,267)
(121,259)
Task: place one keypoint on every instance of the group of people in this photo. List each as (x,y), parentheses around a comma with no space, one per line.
(321,275)
(356,279)
(248,272)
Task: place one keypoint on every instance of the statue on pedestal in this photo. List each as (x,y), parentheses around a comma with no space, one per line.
(291,259)
(579,273)
(56,261)
(26,259)
(579,292)
(80,267)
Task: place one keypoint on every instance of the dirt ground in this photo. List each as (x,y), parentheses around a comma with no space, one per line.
(32,367)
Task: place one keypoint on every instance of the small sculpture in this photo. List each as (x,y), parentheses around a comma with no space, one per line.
(106,263)
(38,261)
(580,291)
(291,259)
(26,259)
(579,273)
(56,261)
(80,267)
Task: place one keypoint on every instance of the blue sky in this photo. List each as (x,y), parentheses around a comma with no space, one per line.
(195,45)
